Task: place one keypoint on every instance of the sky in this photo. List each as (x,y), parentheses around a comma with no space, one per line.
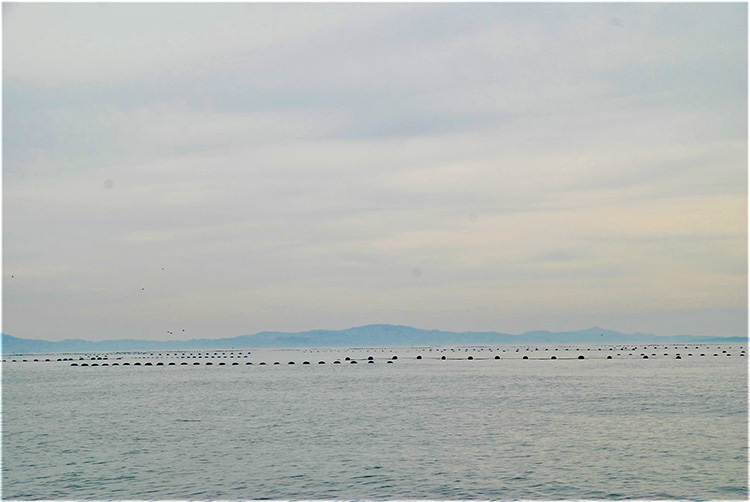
(175,171)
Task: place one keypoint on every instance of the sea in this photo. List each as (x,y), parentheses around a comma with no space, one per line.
(606,422)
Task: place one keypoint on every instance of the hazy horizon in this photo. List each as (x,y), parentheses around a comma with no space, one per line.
(228,169)
(182,336)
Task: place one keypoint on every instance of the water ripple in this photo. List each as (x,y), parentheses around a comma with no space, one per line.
(412,430)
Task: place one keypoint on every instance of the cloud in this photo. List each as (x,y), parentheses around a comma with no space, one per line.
(290,166)
(100,44)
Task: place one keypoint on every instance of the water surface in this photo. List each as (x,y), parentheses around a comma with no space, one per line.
(509,428)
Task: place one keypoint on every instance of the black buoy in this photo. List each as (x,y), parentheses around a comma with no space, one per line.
(370,362)
(443,358)
(336,362)
(370,358)
(525,357)
(290,362)
(610,357)
(553,357)
(209,363)
(394,358)
(261,363)
(678,357)
(148,364)
(419,357)
(497,357)
(321,362)
(645,357)
(352,362)
(581,357)
(183,363)
(389,362)
(126,364)
(306,362)
(137,364)
(470,358)
(347,358)
(235,364)
(74,364)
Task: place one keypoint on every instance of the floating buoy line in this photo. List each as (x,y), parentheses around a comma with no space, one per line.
(420,355)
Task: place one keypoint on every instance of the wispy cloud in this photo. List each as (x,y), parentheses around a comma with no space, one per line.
(239,167)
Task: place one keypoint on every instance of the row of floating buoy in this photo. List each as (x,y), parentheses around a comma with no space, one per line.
(347,359)
(261,363)
(370,359)
(200,355)
(337,361)
(217,354)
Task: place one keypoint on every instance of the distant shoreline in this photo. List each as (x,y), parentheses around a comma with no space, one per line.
(376,335)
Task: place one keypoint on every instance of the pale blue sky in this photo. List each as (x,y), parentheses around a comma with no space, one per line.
(232,168)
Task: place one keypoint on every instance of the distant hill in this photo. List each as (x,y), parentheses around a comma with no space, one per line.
(374,335)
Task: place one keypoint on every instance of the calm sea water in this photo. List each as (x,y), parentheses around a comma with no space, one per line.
(657,428)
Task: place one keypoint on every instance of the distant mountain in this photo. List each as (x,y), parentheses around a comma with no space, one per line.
(374,335)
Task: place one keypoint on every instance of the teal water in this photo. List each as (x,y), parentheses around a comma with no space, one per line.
(661,428)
